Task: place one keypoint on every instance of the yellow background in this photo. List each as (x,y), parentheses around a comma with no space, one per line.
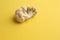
(45,25)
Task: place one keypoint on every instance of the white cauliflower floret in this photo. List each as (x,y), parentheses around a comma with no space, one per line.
(24,13)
